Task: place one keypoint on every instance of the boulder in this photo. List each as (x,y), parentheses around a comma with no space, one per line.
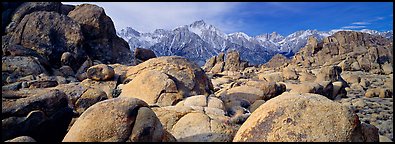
(233,62)
(379,92)
(73,91)
(107,86)
(189,78)
(300,117)
(67,59)
(248,93)
(13,86)
(276,61)
(308,87)
(290,74)
(29,7)
(202,101)
(50,34)
(20,66)
(329,73)
(210,63)
(218,67)
(42,83)
(100,37)
(255,105)
(141,55)
(307,76)
(351,78)
(189,124)
(121,119)
(66,71)
(100,72)
(270,89)
(271,77)
(42,114)
(153,87)
(81,72)
(46,100)
(18,50)
(387,68)
(89,98)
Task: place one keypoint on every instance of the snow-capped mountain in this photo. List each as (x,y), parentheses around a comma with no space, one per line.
(197,42)
(200,41)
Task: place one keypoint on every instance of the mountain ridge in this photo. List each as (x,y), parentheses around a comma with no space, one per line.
(199,41)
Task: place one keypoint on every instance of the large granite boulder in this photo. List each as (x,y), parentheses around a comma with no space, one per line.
(182,79)
(196,124)
(43,114)
(141,55)
(302,118)
(101,41)
(121,119)
(50,34)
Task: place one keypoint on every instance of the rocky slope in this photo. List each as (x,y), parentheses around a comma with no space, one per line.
(48,96)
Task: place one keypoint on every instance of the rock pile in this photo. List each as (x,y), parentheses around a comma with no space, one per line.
(67,77)
(220,63)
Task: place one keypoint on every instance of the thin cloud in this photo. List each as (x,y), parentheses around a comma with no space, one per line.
(361,23)
(379,18)
(146,17)
(353,27)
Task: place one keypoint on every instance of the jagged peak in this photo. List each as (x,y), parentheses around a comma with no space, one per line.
(239,34)
(199,23)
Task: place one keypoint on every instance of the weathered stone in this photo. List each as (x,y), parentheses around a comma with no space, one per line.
(308,87)
(100,72)
(107,86)
(13,86)
(387,68)
(250,94)
(289,74)
(42,84)
(40,113)
(47,100)
(210,63)
(66,71)
(81,72)
(189,78)
(292,117)
(73,91)
(141,55)
(20,66)
(196,125)
(89,98)
(116,120)
(232,61)
(271,77)
(202,101)
(150,86)
(276,61)
(255,105)
(49,34)
(67,59)
(100,36)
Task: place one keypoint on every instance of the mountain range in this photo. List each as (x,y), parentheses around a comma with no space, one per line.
(199,41)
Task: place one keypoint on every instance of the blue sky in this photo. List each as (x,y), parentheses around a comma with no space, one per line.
(252,18)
